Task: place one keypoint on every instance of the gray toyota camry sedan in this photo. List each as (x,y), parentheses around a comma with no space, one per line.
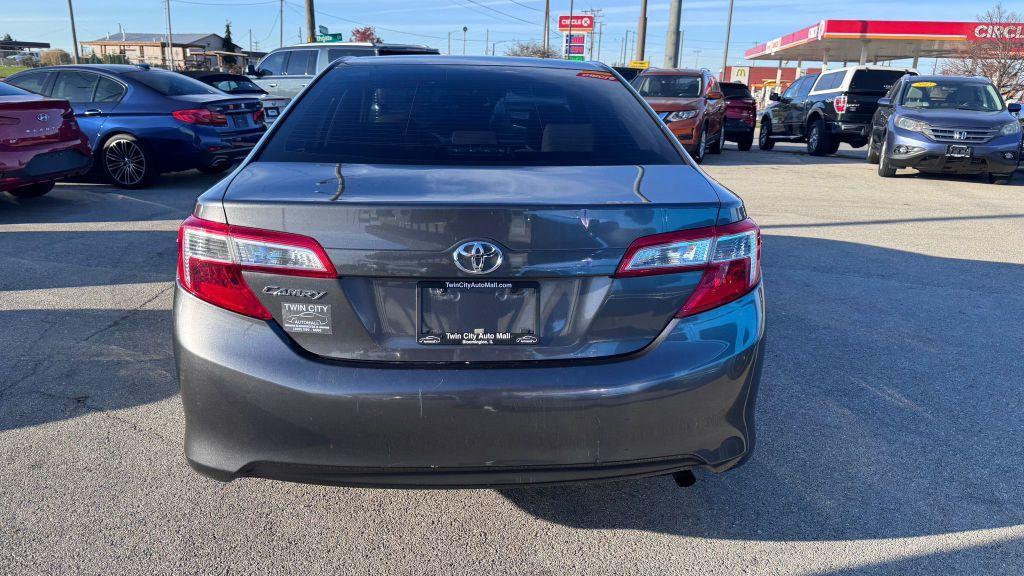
(444,271)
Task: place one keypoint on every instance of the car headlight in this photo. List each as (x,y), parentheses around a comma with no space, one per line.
(911,124)
(1011,128)
(680,115)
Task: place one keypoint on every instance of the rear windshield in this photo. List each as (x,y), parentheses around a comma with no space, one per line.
(475,115)
(952,95)
(8,90)
(735,90)
(654,86)
(874,81)
(169,83)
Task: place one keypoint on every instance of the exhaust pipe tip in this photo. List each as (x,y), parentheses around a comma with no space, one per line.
(684,478)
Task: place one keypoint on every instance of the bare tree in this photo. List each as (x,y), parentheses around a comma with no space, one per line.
(530,49)
(998,56)
(54,57)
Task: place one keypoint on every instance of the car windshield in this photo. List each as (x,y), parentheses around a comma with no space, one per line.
(952,95)
(469,115)
(657,86)
(169,83)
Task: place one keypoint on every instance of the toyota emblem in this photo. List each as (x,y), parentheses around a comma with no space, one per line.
(477,257)
(43,117)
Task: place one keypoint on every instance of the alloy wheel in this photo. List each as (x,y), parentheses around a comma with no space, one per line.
(125,162)
(812,138)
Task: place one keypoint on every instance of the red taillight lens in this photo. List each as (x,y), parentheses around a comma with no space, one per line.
(840,104)
(258,115)
(212,257)
(201,116)
(730,256)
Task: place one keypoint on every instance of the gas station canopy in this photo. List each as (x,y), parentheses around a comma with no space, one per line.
(879,40)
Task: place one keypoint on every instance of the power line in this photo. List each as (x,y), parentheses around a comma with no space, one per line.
(350,21)
(496,11)
(528,7)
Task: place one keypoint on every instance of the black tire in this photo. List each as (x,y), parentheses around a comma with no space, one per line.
(702,146)
(216,169)
(746,141)
(999,179)
(885,168)
(32,190)
(834,147)
(819,141)
(764,138)
(719,144)
(872,151)
(126,162)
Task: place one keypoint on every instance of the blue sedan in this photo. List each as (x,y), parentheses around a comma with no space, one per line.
(142,122)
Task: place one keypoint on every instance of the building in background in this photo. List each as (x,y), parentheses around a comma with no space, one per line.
(189,51)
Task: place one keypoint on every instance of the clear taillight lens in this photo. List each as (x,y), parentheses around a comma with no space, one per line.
(729,255)
(212,257)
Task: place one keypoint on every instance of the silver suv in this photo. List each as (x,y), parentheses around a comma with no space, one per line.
(286,71)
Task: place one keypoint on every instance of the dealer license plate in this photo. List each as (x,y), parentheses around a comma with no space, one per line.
(477,313)
(957,151)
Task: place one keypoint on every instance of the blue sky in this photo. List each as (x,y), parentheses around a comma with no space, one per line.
(429,21)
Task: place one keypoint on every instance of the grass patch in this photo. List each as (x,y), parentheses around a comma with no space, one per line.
(6,71)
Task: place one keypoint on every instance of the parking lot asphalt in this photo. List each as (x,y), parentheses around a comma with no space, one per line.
(890,434)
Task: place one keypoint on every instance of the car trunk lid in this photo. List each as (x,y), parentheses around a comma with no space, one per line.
(241,113)
(392,233)
(31,121)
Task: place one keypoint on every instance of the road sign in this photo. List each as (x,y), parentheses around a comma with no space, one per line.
(330,37)
(576,58)
(640,64)
(577,23)
(577,38)
(323,29)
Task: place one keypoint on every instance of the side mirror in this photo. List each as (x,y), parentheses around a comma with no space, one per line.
(1014,107)
(774,97)
(885,102)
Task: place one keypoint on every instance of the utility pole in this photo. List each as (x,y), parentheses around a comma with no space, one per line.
(622,51)
(280,21)
(464,30)
(728,32)
(487,41)
(675,14)
(449,43)
(170,38)
(598,13)
(310,22)
(641,41)
(547,27)
(250,39)
(600,35)
(74,35)
(696,58)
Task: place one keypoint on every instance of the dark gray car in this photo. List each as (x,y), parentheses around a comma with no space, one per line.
(946,124)
(441,271)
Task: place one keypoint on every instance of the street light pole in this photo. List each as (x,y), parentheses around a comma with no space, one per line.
(310,21)
(641,39)
(728,32)
(170,37)
(74,35)
(464,30)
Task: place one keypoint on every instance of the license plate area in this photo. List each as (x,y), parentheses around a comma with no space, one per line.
(239,120)
(477,313)
(958,151)
(271,112)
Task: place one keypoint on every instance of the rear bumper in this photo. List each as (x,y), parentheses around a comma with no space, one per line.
(256,406)
(930,156)
(850,129)
(738,127)
(47,166)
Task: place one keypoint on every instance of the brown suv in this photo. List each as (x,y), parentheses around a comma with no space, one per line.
(691,103)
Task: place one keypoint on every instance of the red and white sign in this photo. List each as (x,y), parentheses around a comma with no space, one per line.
(577,39)
(576,23)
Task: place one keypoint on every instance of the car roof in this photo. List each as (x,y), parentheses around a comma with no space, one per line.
(940,78)
(673,72)
(108,68)
(869,67)
(356,44)
(209,74)
(437,60)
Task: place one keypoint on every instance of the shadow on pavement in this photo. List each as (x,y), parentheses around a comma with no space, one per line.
(890,407)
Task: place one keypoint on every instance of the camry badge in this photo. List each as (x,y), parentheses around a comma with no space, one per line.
(477,257)
(43,117)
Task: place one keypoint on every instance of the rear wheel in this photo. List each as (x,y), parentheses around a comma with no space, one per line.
(885,167)
(819,141)
(999,179)
(872,151)
(32,190)
(764,138)
(746,141)
(719,144)
(126,162)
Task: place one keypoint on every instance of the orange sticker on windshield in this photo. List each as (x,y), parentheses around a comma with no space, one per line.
(924,84)
(597,75)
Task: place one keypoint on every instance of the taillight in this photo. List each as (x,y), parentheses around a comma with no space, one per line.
(258,115)
(729,255)
(212,257)
(201,116)
(840,104)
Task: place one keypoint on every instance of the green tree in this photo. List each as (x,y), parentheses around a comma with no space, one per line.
(7,38)
(229,44)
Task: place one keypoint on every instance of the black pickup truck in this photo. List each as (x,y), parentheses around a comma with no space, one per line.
(827,109)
